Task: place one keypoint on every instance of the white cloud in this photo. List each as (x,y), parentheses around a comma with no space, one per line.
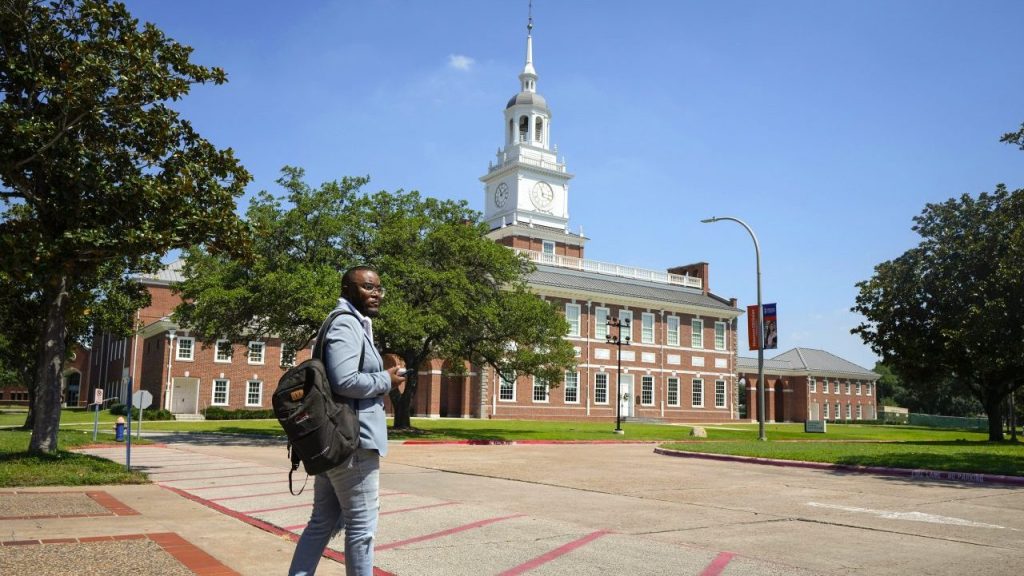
(460,62)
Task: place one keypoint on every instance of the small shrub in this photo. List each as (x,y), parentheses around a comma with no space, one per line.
(219,413)
(148,413)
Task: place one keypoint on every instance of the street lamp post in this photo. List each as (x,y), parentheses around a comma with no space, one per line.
(170,358)
(619,342)
(760,325)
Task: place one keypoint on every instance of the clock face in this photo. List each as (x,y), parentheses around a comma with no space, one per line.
(542,195)
(501,195)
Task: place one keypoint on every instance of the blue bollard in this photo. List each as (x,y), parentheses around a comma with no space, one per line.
(119,429)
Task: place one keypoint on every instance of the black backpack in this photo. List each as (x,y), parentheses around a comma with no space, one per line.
(322,432)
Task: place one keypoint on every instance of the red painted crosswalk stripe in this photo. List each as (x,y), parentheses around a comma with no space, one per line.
(560,551)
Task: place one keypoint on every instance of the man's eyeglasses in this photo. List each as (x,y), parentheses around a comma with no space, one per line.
(372,288)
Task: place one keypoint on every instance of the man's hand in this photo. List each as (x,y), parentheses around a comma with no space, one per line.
(397,375)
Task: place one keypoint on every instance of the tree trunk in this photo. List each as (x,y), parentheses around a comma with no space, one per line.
(46,404)
(30,417)
(402,401)
(994,411)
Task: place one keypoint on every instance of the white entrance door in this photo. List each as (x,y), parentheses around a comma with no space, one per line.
(185,398)
(626,402)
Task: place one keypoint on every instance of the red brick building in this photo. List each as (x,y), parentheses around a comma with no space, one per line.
(806,384)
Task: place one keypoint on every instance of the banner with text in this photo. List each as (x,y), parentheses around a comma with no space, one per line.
(771,327)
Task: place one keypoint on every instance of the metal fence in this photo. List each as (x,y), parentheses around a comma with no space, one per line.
(934,421)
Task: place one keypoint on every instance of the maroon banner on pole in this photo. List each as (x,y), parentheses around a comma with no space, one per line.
(771,327)
(753,327)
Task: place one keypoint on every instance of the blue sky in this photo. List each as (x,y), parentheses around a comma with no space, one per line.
(826,126)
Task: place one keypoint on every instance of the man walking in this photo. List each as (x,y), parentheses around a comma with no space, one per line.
(346,496)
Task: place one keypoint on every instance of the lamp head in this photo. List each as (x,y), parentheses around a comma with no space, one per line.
(710,220)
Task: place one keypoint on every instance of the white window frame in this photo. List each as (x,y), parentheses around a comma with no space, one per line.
(835,386)
(720,389)
(284,361)
(178,356)
(547,247)
(217,348)
(537,383)
(697,333)
(812,385)
(869,386)
(824,412)
(601,316)
(672,333)
(248,392)
(672,383)
(697,393)
(724,332)
(846,388)
(824,385)
(572,316)
(839,410)
(860,412)
(858,388)
(227,392)
(647,390)
(262,352)
(572,383)
(598,385)
(507,385)
(647,328)
(849,412)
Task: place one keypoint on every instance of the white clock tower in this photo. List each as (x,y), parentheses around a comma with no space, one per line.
(527,185)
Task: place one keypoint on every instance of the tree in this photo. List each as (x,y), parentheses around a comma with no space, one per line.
(100,176)
(451,293)
(949,309)
(942,396)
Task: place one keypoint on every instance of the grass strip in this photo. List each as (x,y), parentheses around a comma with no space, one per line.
(63,468)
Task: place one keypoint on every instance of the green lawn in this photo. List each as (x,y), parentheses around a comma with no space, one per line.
(18,468)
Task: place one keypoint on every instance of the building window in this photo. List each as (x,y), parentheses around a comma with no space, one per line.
(254,393)
(540,390)
(507,388)
(600,323)
(647,328)
(624,317)
(848,411)
(186,349)
(572,387)
(838,408)
(825,412)
(538,129)
(824,386)
(719,393)
(220,392)
(547,248)
(868,387)
(600,388)
(672,336)
(697,333)
(223,351)
(287,356)
(673,391)
(572,316)
(647,390)
(858,388)
(860,412)
(835,386)
(846,388)
(812,386)
(256,350)
(719,335)
(698,393)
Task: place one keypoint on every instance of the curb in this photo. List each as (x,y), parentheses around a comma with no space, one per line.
(516,442)
(915,474)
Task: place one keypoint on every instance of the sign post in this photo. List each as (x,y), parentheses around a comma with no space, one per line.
(142,399)
(97,400)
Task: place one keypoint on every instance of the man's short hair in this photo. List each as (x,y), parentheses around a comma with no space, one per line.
(350,274)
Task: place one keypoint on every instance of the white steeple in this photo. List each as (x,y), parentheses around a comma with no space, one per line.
(527,183)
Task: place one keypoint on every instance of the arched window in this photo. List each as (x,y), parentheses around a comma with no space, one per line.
(538,129)
(524,128)
(511,131)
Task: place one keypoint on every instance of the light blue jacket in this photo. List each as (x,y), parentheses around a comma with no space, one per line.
(345,339)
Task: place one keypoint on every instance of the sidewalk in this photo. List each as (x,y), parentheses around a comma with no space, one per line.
(131,530)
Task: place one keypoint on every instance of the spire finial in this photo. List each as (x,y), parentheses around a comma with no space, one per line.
(529,20)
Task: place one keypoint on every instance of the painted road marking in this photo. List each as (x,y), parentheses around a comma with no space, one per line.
(718,564)
(549,556)
(447,532)
(911,516)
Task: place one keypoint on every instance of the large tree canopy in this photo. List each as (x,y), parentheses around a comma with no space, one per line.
(451,293)
(100,176)
(950,308)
